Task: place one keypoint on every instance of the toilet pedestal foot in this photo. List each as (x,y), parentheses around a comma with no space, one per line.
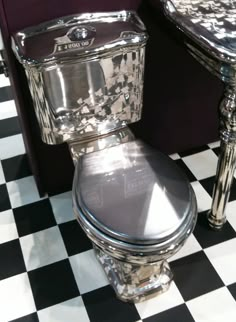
(134,282)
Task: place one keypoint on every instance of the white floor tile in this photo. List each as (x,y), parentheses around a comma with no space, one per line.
(2,177)
(203,164)
(230,213)
(174,156)
(216,306)
(88,272)
(214,144)
(165,301)
(203,198)
(43,248)
(71,311)
(8,230)
(16,297)
(4,81)
(22,191)
(223,258)
(190,247)
(62,207)
(11,146)
(7,110)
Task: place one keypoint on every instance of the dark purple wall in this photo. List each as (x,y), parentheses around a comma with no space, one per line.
(181,97)
(24,13)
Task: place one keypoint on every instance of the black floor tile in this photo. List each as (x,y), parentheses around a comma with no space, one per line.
(194,275)
(11,259)
(217,151)
(193,151)
(209,183)
(232,289)
(9,127)
(74,238)
(103,306)
(5,94)
(4,198)
(53,284)
(16,168)
(180,163)
(179,313)
(233,191)
(28,318)
(208,237)
(34,217)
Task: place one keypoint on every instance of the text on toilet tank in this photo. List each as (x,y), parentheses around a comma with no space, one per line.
(73,45)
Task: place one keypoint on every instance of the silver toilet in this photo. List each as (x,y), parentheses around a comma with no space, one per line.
(85,74)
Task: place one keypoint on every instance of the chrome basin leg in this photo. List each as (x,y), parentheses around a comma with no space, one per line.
(227,159)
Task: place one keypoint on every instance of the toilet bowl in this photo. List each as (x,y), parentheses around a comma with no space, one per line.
(85,74)
(138,209)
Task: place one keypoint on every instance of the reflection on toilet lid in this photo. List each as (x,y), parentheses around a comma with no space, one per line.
(133,193)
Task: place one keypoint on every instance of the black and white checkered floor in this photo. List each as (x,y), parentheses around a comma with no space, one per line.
(48,272)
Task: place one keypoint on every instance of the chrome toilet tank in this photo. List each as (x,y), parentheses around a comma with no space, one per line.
(85,73)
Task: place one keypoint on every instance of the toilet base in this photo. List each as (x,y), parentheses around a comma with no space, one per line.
(133,282)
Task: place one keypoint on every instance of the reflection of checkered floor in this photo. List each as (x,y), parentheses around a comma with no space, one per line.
(48,272)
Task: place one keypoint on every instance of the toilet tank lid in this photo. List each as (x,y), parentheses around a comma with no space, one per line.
(87,35)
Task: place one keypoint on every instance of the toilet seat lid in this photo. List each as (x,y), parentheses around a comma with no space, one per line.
(133,193)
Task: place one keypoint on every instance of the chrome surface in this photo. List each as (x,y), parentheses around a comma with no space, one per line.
(88,35)
(135,253)
(211,23)
(227,160)
(134,193)
(133,202)
(77,149)
(138,210)
(209,29)
(84,90)
(133,282)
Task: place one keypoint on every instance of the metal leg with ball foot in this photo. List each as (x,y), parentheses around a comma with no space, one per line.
(227,160)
